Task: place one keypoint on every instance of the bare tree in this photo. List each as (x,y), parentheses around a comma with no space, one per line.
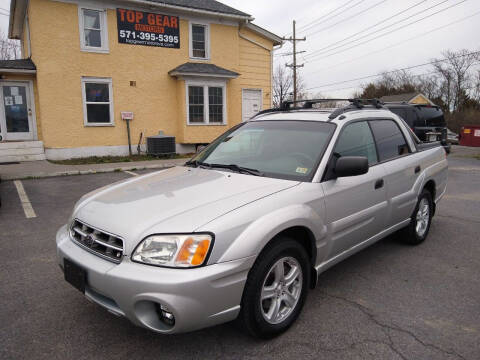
(9,49)
(282,85)
(476,87)
(456,76)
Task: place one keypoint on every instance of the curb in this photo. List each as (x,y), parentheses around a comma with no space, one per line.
(85,172)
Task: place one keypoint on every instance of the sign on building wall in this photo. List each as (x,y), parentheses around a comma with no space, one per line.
(150,29)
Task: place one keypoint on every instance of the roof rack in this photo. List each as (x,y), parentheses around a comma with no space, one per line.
(355,104)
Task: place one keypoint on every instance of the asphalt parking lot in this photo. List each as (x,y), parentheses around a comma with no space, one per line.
(389,301)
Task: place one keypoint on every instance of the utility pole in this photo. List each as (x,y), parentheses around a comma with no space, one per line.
(294,65)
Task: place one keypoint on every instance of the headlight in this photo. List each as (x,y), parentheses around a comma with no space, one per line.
(174,250)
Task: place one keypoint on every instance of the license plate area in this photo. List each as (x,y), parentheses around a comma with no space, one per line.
(75,275)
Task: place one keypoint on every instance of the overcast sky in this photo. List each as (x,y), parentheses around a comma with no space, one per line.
(323,26)
(415,44)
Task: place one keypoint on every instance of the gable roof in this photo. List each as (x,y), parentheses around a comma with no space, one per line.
(399,98)
(202,69)
(412,98)
(209,5)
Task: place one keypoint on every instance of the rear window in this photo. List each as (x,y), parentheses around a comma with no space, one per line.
(433,116)
(409,115)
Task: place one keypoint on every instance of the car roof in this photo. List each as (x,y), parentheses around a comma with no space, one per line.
(322,114)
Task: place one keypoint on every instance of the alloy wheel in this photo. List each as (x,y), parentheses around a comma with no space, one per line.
(423,217)
(281,290)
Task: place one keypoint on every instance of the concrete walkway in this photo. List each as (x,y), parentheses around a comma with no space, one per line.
(38,169)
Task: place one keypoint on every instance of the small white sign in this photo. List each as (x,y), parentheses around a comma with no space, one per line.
(127,115)
(14,90)
(18,100)
(8,100)
(477,132)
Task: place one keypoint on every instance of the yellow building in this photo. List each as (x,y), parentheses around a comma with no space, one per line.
(189,68)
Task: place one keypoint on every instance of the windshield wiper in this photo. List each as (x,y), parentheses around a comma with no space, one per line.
(232,167)
(196,163)
(236,168)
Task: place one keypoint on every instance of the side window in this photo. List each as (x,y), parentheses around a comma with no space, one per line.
(356,140)
(412,118)
(390,140)
(199,41)
(402,112)
(93,30)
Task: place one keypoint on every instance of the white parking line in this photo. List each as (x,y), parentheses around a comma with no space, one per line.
(130,172)
(26,204)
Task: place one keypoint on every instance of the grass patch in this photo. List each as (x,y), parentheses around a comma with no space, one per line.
(117,159)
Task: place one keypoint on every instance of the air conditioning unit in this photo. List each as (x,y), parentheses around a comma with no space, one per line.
(160,144)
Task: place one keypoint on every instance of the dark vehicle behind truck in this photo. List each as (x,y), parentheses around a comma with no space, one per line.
(426,121)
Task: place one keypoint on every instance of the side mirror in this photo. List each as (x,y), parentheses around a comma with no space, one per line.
(351,166)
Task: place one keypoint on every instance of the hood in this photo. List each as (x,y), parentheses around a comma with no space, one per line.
(179,199)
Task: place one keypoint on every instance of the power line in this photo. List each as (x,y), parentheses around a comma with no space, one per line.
(389,32)
(372,26)
(393,71)
(331,17)
(399,43)
(326,50)
(324,16)
(348,18)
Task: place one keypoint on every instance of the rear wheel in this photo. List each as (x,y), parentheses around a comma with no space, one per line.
(276,289)
(416,232)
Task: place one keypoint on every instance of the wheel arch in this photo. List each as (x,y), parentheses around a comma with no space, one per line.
(431,187)
(305,237)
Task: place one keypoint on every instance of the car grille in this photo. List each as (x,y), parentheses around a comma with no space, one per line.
(96,241)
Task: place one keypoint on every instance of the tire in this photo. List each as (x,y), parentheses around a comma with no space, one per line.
(282,301)
(417,231)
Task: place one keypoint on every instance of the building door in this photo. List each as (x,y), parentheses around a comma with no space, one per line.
(251,103)
(16,120)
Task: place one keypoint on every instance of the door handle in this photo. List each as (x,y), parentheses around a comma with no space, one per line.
(379,184)
(417,169)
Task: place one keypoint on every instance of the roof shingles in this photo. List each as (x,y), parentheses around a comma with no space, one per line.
(19,64)
(205,69)
(209,5)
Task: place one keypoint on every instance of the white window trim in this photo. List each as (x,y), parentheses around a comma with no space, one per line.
(206,85)
(207,40)
(103,30)
(108,81)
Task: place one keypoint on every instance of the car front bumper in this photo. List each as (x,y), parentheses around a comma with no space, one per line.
(197,298)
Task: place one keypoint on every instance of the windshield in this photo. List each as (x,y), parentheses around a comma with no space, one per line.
(280,149)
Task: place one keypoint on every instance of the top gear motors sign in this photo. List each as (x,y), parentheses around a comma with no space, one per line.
(150,29)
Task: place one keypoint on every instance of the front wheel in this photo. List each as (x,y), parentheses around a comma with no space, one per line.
(416,232)
(276,289)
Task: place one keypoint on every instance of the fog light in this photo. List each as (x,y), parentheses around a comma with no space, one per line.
(165,315)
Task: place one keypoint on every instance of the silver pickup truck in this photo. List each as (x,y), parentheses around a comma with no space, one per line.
(245,227)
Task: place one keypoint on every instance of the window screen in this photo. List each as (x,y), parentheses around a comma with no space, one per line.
(199,49)
(215,104)
(92,28)
(195,104)
(390,140)
(356,140)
